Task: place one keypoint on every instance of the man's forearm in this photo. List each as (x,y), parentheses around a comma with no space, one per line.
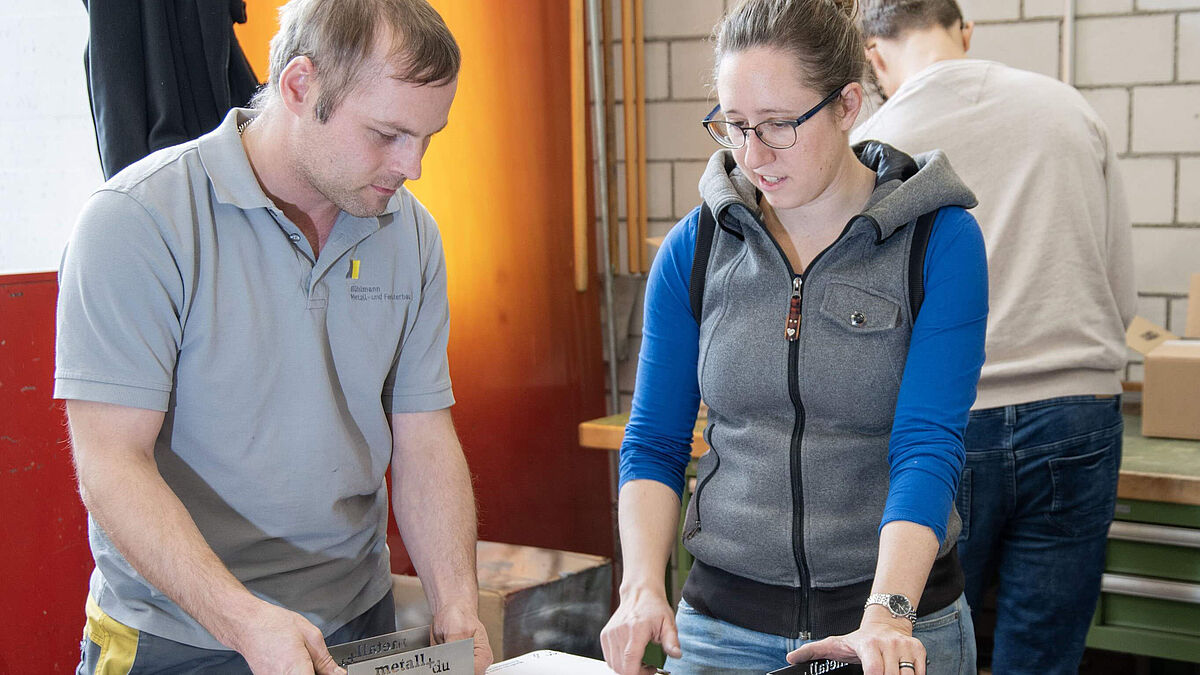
(128,498)
(435,509)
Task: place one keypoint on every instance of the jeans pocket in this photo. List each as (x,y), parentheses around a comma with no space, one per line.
(1084,488)
(931,623)
(962,502)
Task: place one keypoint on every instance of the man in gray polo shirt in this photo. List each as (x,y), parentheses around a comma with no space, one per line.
(252,328)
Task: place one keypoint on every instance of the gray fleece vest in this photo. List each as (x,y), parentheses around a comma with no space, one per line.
(793,489)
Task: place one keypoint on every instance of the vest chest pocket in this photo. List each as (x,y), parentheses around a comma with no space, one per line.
(855,351)
(859,311)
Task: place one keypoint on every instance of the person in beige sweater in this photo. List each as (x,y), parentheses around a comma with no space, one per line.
(1044,438)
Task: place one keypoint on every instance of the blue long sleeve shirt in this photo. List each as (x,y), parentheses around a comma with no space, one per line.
(936,392)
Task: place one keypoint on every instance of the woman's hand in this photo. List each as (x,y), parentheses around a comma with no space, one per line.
(644,616)
(881,644)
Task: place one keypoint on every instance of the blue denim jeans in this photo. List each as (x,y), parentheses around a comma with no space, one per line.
(127,651)
(711,646)
(1036,499)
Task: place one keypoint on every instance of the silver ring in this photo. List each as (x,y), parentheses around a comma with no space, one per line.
(908,664)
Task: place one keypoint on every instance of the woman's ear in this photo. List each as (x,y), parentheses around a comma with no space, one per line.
(851,103)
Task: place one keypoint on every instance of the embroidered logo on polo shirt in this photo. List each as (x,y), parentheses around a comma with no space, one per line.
(364,293)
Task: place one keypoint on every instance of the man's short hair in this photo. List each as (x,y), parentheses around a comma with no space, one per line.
(339,36)
(889,19)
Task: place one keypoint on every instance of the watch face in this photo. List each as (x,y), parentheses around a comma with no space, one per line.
(899,605)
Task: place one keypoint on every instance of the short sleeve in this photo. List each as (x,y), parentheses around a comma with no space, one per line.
(420,378)
(119,306)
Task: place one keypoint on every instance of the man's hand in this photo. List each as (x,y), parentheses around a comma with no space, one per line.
(454,622)
(276,640)
(644,616)
(880,644)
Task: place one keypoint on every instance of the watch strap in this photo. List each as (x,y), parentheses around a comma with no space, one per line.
(885,600)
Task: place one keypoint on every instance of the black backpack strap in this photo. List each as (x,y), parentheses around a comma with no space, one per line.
(704,239)
(916,262)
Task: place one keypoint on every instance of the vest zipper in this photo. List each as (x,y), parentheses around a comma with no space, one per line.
(803,626)
(792,328)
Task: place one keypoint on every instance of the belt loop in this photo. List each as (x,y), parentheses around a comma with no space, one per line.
(1010,415)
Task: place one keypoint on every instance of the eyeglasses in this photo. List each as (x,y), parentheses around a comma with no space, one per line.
(778,134)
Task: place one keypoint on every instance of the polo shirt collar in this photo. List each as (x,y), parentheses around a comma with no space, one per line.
(228,168)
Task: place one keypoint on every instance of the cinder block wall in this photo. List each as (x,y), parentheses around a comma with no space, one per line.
(1136,61)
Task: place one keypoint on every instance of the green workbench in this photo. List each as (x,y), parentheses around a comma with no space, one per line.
(1150,593)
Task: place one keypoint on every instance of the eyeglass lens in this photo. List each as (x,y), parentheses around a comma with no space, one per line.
(775,134)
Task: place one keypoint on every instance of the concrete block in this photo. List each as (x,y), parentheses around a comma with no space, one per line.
(1047,8)
(1154,309)
(1031,45)
(658,189)
(687,190)
(682,18)
(1189,190)
(1136,372)
(1146,53)
(654,70)
(674,132)
(1150,189)
(990,10)
(1166,119)
(1164,258)
(1113,107)
(1179,308)
(691,70)
(1189,47)
(1151,5)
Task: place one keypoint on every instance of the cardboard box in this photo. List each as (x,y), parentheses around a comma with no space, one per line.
(529,599)
(1171,390)
(1171,380)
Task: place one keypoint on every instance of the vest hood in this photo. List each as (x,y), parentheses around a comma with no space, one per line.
(905,187)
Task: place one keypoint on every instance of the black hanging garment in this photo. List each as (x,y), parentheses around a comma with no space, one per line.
(162,72)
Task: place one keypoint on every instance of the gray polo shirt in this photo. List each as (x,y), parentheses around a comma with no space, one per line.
(185,290)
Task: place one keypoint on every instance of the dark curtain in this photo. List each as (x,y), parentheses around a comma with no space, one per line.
(161,72)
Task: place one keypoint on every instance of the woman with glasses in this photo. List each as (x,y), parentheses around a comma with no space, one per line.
(837,341)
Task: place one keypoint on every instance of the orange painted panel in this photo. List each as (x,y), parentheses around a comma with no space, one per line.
(525,352)
(254,36)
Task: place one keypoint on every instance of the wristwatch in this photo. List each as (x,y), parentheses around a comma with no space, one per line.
(898,605)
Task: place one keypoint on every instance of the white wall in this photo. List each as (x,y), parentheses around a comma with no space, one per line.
(48,159)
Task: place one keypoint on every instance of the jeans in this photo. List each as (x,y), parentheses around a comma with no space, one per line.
(1036,499)
(711,646)
(110,648)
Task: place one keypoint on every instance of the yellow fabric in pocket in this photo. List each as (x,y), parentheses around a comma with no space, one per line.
(118,642)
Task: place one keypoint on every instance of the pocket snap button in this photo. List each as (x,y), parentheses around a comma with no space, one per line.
(858,319)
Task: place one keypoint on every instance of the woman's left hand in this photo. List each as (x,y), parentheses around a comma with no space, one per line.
(882,644)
